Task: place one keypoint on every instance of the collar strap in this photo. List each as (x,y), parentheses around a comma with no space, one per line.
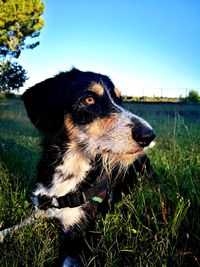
(97,193)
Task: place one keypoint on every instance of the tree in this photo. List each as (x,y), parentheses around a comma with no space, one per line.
(12,76)
(19,19)
(193,96)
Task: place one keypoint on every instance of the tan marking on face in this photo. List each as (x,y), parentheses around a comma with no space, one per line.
(101,127)
(68,122)
(117,92)
(72,130)
(96,88)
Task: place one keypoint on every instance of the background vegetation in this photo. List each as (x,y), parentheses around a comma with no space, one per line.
(193,96)
(19,20)
(157,224)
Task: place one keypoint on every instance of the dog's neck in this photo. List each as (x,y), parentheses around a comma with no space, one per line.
(68,173)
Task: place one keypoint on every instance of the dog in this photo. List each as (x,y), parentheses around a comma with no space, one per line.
(92,147)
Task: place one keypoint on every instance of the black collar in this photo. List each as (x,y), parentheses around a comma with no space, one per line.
(97,193)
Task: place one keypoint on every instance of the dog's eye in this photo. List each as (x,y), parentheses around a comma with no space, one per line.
(89,100)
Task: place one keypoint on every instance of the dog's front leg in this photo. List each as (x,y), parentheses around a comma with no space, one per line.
(67,216)
(75,222)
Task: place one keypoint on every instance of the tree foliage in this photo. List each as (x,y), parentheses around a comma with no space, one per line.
(19,19)
(12,76)
(193,96)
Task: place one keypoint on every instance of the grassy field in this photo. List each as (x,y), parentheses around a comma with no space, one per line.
(156,225)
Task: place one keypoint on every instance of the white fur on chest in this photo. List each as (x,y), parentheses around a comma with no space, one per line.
(69,174)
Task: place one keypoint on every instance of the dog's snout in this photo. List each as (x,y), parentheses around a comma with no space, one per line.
(143,136)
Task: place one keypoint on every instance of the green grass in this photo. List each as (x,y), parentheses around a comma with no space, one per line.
(157,224)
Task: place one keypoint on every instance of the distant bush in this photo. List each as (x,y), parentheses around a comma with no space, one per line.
(150,99)
(8,95)
(143,98)
(127,98)
(193,96)
(2,95)
(12,76)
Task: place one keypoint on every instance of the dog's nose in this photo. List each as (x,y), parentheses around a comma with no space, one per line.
(143,136)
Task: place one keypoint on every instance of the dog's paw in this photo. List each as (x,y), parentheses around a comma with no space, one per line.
(70,262)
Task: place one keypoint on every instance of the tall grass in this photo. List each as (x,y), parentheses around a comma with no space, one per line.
(157,224)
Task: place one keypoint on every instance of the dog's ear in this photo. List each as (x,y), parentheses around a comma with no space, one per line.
(44,106)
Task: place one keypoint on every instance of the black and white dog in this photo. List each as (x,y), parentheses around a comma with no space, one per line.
(92,146)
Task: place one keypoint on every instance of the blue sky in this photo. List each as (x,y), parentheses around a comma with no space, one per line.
(147,47)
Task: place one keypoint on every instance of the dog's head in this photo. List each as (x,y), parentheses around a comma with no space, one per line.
(87,107)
